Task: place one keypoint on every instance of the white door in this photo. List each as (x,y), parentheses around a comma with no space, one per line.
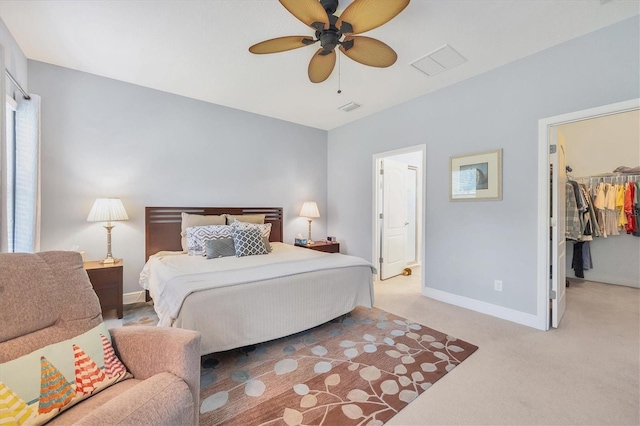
(558,223)
(394,219)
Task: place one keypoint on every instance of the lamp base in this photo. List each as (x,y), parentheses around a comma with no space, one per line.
(109,260)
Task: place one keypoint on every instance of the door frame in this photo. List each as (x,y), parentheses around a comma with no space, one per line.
(418,196)
(545,126)
(422,149)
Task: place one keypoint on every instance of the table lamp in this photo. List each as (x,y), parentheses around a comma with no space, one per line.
(310,211)
(108,210)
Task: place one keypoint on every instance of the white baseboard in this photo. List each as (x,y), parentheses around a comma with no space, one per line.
(486,308)
(606,279)
(134,297)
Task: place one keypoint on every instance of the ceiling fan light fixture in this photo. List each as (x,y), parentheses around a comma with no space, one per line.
(332,32)
(350,106)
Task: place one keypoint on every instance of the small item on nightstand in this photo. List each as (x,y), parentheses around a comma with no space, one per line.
(325,246)
(301,241)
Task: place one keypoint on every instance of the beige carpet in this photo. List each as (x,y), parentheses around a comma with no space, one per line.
(584,373)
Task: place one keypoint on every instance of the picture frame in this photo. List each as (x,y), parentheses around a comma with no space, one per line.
(476,177)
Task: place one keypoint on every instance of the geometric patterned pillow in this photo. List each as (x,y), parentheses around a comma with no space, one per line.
(198,235)
(38,386)
(248,242)
(265,228)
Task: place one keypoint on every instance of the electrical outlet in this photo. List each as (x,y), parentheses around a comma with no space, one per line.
(497,285)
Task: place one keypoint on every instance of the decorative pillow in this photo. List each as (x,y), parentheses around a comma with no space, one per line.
(220,248)
(198,235)
(265,229)
(37,387)
(246,218)
(248,242)
(189,220)
(267,244)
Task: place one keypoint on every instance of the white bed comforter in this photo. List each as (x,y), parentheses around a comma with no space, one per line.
(172,276)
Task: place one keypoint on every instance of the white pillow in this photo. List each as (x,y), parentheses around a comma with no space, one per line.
(197,236)
(265,228)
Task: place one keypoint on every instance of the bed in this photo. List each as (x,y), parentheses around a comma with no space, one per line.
(240,301)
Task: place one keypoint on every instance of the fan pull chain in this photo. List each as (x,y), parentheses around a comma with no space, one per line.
(339,90)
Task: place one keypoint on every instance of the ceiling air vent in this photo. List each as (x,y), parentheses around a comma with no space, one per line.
(438,61)
(349,107)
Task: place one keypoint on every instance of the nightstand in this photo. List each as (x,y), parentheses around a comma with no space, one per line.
(106,280)
(323,246)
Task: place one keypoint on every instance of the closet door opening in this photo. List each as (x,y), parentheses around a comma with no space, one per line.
(587,160)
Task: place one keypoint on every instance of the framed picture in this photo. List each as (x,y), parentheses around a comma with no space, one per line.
(476,176)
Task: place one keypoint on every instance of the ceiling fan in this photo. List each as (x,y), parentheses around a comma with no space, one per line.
(331,31)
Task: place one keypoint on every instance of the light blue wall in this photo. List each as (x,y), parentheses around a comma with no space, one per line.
(102,137)
(470,244)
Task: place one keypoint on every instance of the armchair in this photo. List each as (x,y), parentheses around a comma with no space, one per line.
(46,298)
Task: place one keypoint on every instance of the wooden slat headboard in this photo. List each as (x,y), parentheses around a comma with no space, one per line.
(163,224)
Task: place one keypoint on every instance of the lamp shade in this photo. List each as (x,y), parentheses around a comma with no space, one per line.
(107,210)
(309,209)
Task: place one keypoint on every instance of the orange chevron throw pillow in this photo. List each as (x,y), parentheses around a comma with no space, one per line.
(37,387)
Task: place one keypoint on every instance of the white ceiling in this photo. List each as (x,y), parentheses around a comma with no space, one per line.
(199,48)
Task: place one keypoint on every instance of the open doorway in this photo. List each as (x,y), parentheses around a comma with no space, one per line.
(552,265)
(398,213)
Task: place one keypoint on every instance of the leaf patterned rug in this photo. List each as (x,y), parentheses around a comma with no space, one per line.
(360,369)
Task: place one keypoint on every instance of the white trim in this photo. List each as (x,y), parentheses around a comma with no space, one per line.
(483,307)
(377,158)
(544,127)
(133,297)
(11,102)
(607,279)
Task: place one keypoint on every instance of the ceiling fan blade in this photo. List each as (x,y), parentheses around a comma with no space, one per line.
(309,12)
(280,44)
(369,51)
(365,15)
(321,66)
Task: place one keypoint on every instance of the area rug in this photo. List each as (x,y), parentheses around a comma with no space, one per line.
(140,313)
(360,369)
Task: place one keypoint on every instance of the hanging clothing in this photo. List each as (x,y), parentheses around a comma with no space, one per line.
(611,218)
(587,261)
(599,203)
(622,217)
(636,208)
(629,208)
(573,228)
(577,262)
(591,211)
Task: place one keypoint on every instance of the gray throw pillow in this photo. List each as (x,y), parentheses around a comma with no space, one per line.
(248,242)
(220,248)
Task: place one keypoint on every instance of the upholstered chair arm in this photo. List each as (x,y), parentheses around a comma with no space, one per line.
(146,351)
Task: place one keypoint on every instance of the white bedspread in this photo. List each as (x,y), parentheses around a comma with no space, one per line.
(172,276)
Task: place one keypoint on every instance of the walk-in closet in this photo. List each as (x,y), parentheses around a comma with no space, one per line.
(603,233)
